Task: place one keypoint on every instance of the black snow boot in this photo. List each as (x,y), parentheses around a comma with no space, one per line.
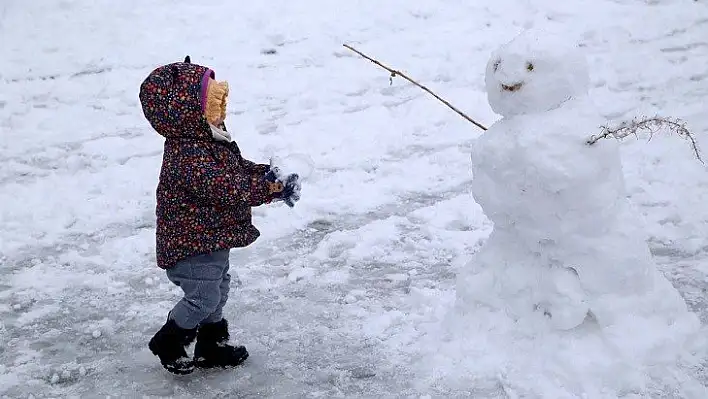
(212,348)
(169,345)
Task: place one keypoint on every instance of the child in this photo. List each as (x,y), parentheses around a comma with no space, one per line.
(204,199)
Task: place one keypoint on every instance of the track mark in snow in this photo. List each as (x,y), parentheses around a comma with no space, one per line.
(80,74)
(91,71)
(81,243)
(397,103)
(698,77)
(692,284)
(356,108)
(69,158)
(687,47)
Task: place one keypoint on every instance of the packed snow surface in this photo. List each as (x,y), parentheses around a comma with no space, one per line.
(352,293)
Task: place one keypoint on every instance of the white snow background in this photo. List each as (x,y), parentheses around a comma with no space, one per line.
(342,295)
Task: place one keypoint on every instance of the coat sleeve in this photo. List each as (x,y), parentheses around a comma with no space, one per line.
(207,180)
(256,168)
(257,172)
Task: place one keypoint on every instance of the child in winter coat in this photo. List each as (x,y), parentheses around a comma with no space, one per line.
(204,199)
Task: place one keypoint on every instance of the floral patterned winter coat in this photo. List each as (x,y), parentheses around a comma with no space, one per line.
(206,188)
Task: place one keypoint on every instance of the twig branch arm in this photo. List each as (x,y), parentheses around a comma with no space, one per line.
(650,125)
(395,73)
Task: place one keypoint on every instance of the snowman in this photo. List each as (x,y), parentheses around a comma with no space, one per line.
(567,249)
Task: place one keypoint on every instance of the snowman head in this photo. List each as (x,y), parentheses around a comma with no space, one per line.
(535,72)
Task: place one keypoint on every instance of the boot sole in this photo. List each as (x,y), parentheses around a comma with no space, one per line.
(203,364)
(174,370)
(179,371)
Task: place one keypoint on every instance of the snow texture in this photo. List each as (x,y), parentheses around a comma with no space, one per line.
(351,293)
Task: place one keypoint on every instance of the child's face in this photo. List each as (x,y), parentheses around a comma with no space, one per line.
(217,93)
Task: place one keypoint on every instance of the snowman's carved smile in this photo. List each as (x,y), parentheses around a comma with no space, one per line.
(512,88)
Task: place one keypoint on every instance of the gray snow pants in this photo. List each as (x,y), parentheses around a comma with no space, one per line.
(205,281)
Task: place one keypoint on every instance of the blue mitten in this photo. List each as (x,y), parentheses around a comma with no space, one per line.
(291,186)
(273,174)
(291,192)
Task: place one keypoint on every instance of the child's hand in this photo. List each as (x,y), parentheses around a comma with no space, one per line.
(289,192)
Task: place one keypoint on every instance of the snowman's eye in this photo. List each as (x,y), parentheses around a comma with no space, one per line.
(496,65)
(529,66)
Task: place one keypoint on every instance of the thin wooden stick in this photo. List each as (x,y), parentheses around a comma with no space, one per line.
(395,73)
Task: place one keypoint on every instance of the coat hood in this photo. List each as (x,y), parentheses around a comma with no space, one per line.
(172,99)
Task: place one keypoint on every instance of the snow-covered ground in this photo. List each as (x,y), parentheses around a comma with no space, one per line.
(341,296)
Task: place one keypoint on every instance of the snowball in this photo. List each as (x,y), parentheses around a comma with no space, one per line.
(301,164)
(535,72)
(96,333)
